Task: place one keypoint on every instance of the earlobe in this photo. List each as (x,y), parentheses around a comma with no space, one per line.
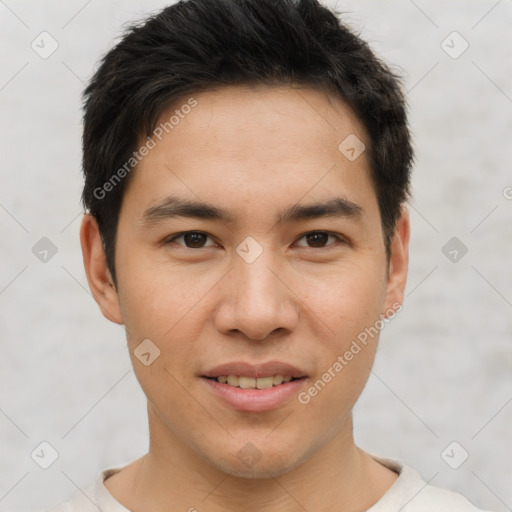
(398,263)
(98,275)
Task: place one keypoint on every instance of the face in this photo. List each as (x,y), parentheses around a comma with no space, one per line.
(250,253)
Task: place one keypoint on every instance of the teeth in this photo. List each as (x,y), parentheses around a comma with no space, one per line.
(232,380)
(252,383)
(246,382)
(264,382)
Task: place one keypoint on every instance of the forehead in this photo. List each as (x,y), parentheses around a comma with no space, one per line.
(250,147)
(288,115)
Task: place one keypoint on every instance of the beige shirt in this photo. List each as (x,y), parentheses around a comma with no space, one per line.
(409,493)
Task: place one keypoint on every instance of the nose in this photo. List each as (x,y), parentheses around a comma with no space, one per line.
(257,301)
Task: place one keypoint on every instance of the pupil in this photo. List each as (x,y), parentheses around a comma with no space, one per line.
(317,238)
(194,239)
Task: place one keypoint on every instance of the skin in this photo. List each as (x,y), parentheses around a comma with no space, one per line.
(253,151)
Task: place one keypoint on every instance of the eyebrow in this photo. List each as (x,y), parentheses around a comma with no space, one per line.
(172,207)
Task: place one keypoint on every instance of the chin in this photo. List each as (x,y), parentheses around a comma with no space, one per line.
(260,471)
(251,463)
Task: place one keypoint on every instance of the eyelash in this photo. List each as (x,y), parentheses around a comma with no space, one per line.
(339,239)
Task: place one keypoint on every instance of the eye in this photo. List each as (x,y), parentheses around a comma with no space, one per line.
(191,239)
(319,239)
(198,239)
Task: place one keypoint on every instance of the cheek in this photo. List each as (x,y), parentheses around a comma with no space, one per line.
(157,299)
(349,308)
(160,304)
(347,300)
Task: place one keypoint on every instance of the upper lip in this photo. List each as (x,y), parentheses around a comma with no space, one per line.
(245,369)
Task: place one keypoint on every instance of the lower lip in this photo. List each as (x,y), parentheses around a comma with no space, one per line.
(255,400)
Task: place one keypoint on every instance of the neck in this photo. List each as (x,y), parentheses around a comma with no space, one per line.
(339,476)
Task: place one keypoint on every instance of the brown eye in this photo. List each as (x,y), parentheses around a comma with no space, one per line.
(318,239)
(192,239)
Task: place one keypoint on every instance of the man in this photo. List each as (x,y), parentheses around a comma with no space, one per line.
(247,165)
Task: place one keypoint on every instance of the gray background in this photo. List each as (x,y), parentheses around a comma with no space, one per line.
(443,372)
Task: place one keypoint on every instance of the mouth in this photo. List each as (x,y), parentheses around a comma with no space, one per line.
(239,381)
(255,388)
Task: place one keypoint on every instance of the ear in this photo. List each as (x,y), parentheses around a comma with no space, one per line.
(398,262)
(100,280)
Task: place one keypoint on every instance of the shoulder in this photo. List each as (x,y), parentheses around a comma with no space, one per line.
(81,501)
(432,498)
(93,498)
(410,493)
